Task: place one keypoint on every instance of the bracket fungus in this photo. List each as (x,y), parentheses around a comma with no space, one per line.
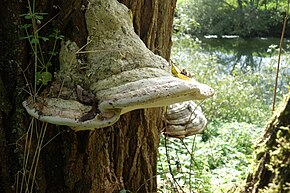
(119,74)
(184,119)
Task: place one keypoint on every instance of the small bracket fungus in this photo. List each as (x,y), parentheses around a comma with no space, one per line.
(184,119)
(119,72)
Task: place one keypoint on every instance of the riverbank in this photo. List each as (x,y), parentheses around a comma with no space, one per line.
(218,160)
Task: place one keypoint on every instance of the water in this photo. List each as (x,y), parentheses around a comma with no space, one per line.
(249,63)
(244,54)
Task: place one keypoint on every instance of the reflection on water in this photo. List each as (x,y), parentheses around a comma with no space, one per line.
(241,54)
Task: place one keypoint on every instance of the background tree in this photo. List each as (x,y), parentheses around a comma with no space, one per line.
(57,159)
(270,169)
(245,18)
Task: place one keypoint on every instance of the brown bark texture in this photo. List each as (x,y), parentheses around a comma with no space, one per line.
(270,169)
(51,158)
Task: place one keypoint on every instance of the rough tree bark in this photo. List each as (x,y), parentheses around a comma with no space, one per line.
(123,156)
(270,169)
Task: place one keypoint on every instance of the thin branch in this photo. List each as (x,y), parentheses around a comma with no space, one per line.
(279,57)
(169,165)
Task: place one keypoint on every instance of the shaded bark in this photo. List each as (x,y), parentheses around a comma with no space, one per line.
(123,156)
(270,171)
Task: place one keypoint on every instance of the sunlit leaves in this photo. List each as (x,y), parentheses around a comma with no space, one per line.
(212,162)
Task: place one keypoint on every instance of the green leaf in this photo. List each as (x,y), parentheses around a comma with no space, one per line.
(39,17)
(28,16)
(52,53)
(25,26)
(56,31)
(48,64)
(60,37)
(46,77)
(26,37)
(24,14)
(34,40)
(38,78)
(44,38)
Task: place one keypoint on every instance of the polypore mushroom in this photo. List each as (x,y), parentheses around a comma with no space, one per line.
(119,71)
(184,119)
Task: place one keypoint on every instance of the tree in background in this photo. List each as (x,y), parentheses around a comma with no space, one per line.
(57,159)
(241,17)
(270,168)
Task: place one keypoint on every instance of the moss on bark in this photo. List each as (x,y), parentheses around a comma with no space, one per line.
(270,170)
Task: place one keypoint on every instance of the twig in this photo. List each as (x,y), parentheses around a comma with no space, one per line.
(146,182)
(169,165)
(27,148)
(52,139)
(279,57)
(37,153)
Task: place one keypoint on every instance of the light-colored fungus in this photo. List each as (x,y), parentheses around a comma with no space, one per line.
(184,119)
(119,71)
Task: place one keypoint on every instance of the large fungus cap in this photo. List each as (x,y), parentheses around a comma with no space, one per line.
(152,92)
(68,112)
(120,71)
(129,75)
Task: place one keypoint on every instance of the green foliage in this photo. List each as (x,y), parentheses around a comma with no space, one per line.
(243,96)
(219,159)
(25,178)
(182,23)
(42,62)
(216,161)
(228,17)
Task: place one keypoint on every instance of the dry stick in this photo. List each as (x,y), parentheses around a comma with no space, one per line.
(191,159)
(34,164)
(38,151)
(191,163)
(26,152)
(169,165)
(47,22)
(29,151)
(50,140)
(279,57)
(17,181)
(154,176)
(30,87)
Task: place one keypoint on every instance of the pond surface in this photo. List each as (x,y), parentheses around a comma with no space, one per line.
(235,52)
(252,60)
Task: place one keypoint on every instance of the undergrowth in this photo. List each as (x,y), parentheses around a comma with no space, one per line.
(218,160)
(33,141)
(215,161)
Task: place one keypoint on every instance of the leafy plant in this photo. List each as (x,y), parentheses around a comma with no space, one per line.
(32,29)
(215,161)
(227,17)
(241,95)
(26,180)
(218,159)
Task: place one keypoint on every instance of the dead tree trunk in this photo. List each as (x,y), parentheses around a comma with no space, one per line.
(270,171)
(121,157)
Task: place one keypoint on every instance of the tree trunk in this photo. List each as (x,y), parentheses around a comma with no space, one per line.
(56,159)
(270,171)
